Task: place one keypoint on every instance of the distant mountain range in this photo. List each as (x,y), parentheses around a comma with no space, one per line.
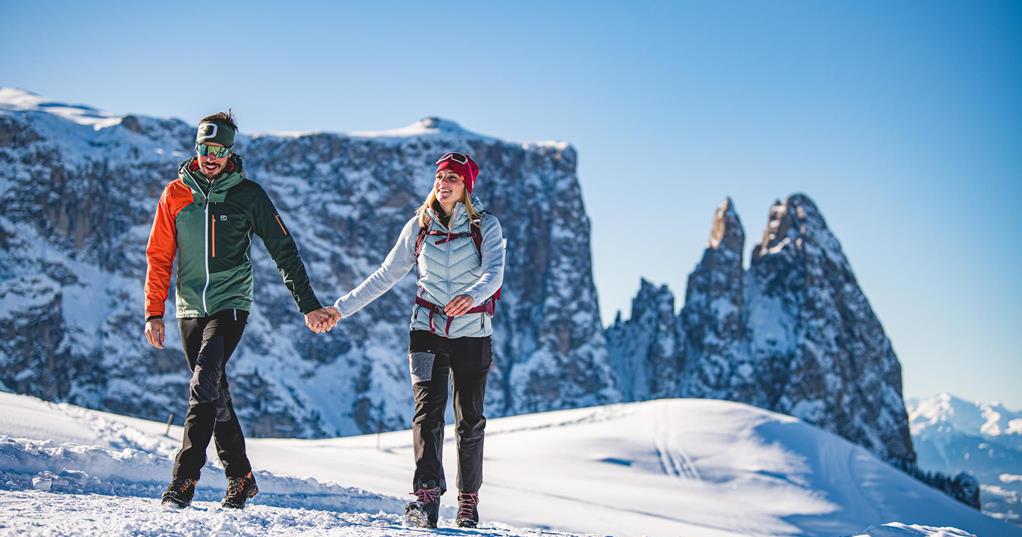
(985,439)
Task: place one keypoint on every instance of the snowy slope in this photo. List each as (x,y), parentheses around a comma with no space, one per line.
(669,467)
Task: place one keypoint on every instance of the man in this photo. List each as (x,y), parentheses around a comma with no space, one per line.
(206,217)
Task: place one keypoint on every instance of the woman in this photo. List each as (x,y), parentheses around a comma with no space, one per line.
(459,253)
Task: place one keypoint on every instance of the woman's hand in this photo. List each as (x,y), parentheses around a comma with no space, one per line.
(323,319)
(459,305)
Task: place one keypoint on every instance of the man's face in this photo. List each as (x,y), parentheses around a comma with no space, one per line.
(210,165)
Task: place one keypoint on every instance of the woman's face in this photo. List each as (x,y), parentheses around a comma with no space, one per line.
(448,187)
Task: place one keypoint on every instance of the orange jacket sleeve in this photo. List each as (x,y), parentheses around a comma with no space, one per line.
(160,257)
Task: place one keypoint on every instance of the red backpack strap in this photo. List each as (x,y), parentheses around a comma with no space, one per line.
(477,237)
(420,238)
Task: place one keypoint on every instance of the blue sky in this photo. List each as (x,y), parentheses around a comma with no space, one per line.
(902,120)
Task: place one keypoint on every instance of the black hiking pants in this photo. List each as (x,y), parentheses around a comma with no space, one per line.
(433,360)
(208,344)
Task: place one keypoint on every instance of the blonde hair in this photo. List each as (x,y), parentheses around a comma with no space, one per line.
(466,198)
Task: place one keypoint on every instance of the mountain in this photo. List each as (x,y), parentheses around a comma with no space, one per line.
(693,467)
(646,357)
(793,333)
(78,190)
(952,435)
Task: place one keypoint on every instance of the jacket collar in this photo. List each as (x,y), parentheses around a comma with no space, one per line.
(190,175)
(459,216)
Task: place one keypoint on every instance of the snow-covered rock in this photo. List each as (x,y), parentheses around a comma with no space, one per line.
(834,367)
(646,352)
(714,318)
(793,333)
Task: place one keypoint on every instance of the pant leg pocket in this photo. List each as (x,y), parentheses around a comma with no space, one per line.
(223,412)
(205,383)
(487,354)
(420,364)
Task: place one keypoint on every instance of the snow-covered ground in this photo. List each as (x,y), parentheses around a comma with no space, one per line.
(670,467)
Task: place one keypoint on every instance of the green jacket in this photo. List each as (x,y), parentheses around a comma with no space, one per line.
(209,227)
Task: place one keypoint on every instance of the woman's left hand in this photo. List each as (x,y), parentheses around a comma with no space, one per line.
(459,305)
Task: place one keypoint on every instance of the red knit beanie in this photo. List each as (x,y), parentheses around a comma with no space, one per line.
(461,164)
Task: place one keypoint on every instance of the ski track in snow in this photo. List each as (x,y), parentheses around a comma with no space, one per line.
(673,459)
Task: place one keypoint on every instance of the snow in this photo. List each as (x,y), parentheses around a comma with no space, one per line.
(669,467)
(83,514)
(424,127)
(18,99)
(946,410)
(953,435)
(903,530)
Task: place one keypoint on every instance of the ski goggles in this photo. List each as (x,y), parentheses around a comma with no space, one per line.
(460,158)
(212,150)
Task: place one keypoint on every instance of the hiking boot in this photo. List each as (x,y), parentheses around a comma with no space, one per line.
(180,492)
(468,515)
(424,511)
(239,490)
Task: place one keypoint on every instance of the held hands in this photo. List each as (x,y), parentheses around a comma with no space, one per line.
(459,305)
(154,332)
(323,319)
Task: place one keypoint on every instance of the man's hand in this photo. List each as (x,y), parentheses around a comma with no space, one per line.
(154,332)
(323,319)
(459,305)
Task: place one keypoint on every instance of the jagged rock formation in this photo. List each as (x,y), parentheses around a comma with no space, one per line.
(794,333)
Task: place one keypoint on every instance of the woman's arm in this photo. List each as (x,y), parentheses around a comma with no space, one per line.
(399,261)
(493,261)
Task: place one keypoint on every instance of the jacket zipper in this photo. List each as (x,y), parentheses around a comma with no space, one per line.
(205,239)
(205,309)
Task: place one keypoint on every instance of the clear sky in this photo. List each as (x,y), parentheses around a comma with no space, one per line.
(902,120)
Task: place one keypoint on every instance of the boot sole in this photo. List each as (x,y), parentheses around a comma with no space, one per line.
(417,519)
(174,503)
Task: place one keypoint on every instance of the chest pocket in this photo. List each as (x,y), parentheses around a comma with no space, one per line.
(229,237)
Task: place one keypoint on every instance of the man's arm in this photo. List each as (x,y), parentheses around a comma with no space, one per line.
(160,253)
(268,224)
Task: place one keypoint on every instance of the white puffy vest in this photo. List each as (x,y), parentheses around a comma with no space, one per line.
(446,270)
